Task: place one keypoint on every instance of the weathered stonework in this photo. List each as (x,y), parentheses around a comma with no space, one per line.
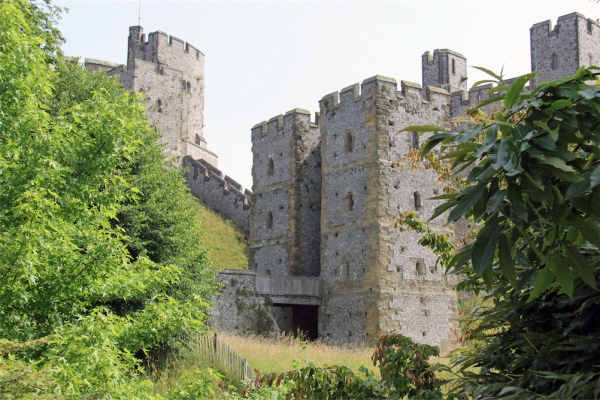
(170,73)
(223,194)
(374,278)
(561,50)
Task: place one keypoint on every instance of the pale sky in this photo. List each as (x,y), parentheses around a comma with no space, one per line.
(265,58)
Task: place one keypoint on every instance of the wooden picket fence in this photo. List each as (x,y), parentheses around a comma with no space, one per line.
(222,355)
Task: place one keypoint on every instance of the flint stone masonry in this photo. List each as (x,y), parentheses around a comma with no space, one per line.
(223,194)
(359,171)
(560,50)
(170,73)
(239,308)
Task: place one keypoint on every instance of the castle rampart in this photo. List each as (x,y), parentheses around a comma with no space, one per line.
(223,194)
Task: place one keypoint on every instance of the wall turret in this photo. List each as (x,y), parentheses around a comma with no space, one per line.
(445,69)
(560,50)
(170,73)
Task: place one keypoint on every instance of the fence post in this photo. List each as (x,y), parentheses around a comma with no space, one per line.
(245,368)
(215,347)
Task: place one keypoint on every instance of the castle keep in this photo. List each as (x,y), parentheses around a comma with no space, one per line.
(170,73)
(324,256)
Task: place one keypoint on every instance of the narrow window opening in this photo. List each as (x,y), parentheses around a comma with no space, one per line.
(554,61)
(589,26)
(415,140)
(420,268)
(161,71)
(348,270)
(349,143)
(159,105)
(269,220)
(453,67)
(197,139)
(417,198)
(188,87)
(349,202)
(270,167)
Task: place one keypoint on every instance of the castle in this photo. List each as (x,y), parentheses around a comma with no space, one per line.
(324,254)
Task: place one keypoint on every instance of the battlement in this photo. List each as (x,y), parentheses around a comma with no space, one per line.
(157,45)
(278,122)
(222,193)
(368,89)
(432,58)
(444,68)
(546,26)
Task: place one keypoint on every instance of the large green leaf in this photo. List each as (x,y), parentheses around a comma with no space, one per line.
(434,140)
(495,201)
(542,282)
(490,73)
(595,177)
(581,265)
(439,210)
(502,156)
(471,195)
(514,92)
(589,229)
(517,203)
(485,245)
(507,265)
(422,129)
(563,274)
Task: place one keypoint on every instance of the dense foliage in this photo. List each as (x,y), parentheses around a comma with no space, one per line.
(99,260)
(405,372)
(533,188)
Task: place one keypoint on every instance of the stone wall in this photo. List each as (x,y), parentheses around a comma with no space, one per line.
(284,225)
(239,309)
(561,50)
(170,73)
(223,194)
(368,267)
(445,69)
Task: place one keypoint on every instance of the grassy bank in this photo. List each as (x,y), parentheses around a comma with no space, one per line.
(228,243)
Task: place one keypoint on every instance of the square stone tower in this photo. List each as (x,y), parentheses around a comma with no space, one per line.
(445,69)
(284,221)
(561,50)
(377,278)
(170,73)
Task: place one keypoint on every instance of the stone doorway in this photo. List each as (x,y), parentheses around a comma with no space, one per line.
(292,318)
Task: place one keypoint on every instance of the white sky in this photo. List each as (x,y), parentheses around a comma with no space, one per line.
(266,58)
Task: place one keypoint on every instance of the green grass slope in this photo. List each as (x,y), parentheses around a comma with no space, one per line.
(228,243)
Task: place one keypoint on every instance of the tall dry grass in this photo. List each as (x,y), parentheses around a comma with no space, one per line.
(279,354)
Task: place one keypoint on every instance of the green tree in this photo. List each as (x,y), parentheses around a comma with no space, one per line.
(85,227)
(533,190)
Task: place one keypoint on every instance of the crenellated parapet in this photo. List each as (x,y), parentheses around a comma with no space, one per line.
(161,48)
(223,194)
(445,69)
(560,50)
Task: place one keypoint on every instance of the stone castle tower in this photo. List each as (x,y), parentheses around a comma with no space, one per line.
(354,166)
(170,73)
(561,50)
